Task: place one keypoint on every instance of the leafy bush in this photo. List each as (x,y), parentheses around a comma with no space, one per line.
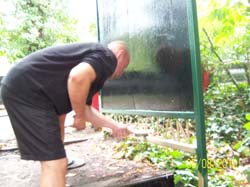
(226,107)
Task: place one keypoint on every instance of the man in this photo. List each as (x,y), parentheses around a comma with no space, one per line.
(40,90)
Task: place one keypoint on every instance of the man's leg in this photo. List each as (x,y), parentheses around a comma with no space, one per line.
(53,173)
(42,140)
(61,124)
(71,163)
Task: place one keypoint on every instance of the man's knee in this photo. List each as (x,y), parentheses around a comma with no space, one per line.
(57,165)
(53,173)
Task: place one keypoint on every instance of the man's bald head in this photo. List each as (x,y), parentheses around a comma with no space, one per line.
(120,50)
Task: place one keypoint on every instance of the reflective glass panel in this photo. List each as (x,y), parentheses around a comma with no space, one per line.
(159,75)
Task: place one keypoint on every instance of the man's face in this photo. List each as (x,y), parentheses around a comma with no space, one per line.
(121,66)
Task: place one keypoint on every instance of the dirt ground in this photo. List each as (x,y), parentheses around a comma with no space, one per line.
(102,168)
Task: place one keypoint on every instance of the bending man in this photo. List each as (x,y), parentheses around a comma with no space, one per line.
(40,90)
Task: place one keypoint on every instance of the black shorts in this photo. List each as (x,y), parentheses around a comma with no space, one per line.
(35,124)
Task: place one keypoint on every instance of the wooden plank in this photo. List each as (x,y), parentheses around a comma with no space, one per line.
(172,144)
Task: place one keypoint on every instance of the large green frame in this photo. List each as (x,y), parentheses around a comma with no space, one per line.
(198,113)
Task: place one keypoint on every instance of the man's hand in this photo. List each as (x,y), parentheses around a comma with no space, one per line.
(79,123)
(120,131)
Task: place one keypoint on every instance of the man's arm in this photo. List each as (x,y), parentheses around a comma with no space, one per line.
(99,120)
(79,82)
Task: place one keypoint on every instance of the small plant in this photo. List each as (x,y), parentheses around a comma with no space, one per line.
(243,146)
(247,173)
(162,157)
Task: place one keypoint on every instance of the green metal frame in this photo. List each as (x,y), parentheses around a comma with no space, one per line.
(171,114)
(197,90)
(198,113)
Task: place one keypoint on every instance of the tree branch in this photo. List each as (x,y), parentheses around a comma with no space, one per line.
(220,60)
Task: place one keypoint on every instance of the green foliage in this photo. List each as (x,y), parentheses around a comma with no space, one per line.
(243,146)
(220,180)
(229,24)
(35,24)
(247,173)
(226,108)
(93,29)
(247,125)
(226,25)
(3,36)
(182,164)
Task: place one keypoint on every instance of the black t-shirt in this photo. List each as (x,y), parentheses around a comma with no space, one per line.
(46,72)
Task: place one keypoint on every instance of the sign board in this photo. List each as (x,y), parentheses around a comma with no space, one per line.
(159,75)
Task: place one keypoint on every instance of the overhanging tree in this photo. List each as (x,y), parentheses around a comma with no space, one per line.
(36,24)
(225,37)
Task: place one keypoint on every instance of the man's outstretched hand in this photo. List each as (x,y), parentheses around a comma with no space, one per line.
(121,131)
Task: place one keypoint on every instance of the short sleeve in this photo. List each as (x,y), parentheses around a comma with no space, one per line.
(104,63)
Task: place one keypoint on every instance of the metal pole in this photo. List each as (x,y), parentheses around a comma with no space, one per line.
(97,21)
(198,93)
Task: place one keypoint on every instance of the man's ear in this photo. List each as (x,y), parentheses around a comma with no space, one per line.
(121,54)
